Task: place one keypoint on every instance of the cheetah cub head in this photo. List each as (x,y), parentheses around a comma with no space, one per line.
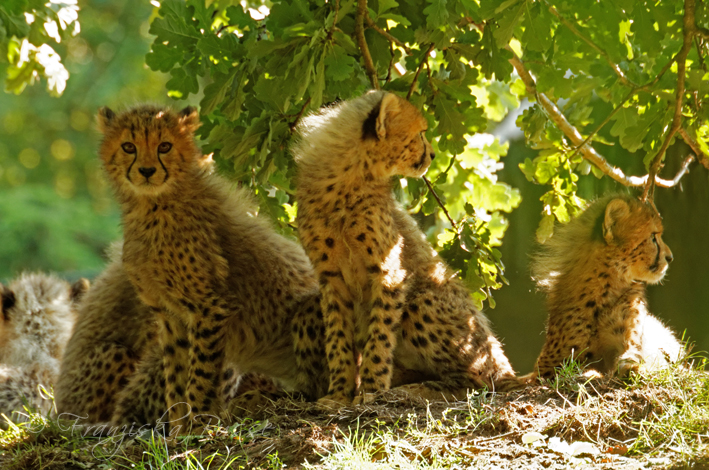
(634,230)
(38,312)
(148,150)
(396,131)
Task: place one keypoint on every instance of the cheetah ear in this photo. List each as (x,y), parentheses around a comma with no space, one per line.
(8,301)
(79,289)
(105,117)
(189,118)
(615,210)
(388,107)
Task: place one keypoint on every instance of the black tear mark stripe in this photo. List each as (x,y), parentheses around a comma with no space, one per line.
(131,166)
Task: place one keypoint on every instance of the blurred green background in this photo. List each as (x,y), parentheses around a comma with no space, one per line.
(57,213)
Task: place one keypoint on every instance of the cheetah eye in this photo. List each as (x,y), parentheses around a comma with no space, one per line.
(164,147)
(128,147)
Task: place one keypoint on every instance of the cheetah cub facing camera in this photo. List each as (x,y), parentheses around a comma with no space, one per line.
(38,312)
(594,271)
(386,294)
(225,288)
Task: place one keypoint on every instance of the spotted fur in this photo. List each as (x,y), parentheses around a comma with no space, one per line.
(594,271)
(112,333)
(386,294)
(38,312)
(224,287)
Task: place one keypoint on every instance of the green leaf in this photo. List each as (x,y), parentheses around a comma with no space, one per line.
(538,24)
(162,58)
(545,229)
(508,22)
(182,84)
(386,5)
(215,92)
(338,65)
(436,13)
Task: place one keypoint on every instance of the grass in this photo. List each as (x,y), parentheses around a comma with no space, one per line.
(658,419)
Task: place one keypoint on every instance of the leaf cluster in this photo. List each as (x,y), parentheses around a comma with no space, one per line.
(623,73)
(27,30)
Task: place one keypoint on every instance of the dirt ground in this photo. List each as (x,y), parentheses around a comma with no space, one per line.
(600,424)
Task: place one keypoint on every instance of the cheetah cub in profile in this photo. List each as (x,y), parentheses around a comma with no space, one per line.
(386,294)
(594,271)
(224,287)
(38,312)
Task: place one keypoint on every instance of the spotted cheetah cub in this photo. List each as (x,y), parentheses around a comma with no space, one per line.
(594,271)
(224,287)
(386,294)
(38,312)
(113,331)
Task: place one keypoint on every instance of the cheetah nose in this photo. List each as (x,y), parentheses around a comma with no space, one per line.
(433,155)
(669,257)
(147,172)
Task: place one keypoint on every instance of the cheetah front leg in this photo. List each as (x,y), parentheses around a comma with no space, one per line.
(338,315)
(628,313)
(206,344)
(563,341)
(388,295)
(171,333)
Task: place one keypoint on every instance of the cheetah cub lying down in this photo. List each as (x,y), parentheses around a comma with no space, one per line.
(224,287)
(386,294)
(594,271)
(38,312)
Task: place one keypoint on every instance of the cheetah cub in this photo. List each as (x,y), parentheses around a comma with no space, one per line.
(594,271)
(112,333)
(386,294)
(38,312)
(224,287)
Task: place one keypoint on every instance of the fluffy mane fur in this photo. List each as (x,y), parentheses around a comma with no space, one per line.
(572,244)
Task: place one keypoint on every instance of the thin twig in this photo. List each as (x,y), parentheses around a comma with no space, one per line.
(588,152)
(688,29)
(293,124)
(418,71)
(701,156)
(386,34)
(334,19)
(602,124)
(362,41)
(593,45)
(440,203)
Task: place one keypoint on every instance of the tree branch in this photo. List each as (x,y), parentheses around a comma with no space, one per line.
(603,123)
(293,124)
(688,29)
(418,71)
(386,34)
(440,203)
(588,152)
(701,156)
(334,19)
(362,42)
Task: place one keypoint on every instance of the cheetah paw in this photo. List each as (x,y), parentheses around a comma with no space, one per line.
(626,366)
(333,402)
(364,398)
(247,404)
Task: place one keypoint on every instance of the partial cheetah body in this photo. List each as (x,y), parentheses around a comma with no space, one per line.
(113,332)
(38,312)
(385,292)
(594,271)
(225,288)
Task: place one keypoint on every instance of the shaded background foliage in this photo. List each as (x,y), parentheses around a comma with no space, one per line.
(255,70)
